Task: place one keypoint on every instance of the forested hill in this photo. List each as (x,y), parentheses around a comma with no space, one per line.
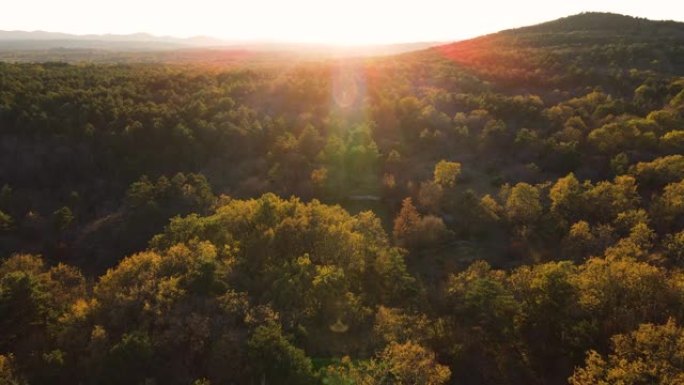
(504,210)
(609,24)
(575,51)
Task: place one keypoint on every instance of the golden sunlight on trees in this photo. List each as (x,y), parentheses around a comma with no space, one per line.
(651,354)
(445,173)
(498,211)
(401,364)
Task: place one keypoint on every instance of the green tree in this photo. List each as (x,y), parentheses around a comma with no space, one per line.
(6,222)
(481,334)
(399,363)
(622,293)
(674,248)
(566,197)
(652,354)
(63,218)
(551,319)
(580,241)
(606,200)
(524,208)
(411,364)
(446,172)
(619,163)
(275,360)
(129,360)
(660,171)
(637,245)
(283,249)
(668,209)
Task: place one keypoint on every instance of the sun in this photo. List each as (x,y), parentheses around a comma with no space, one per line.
(337,23)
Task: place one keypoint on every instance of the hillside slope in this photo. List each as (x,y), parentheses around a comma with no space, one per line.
(506,210)
(575,50)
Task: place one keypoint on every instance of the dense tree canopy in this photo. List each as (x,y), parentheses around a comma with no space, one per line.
(504,210)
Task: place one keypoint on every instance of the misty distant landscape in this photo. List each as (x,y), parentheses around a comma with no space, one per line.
(22,46)
(501,210)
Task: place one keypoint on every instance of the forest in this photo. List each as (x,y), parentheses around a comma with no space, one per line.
(503,210)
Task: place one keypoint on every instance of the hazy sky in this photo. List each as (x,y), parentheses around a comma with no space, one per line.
(327,21)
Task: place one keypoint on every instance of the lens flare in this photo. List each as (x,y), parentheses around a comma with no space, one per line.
(347,87)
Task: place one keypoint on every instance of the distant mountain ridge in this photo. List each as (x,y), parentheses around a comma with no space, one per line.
(134,37)
(39,45)
(42,40)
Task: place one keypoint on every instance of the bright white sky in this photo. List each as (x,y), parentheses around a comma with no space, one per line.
(314,21)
